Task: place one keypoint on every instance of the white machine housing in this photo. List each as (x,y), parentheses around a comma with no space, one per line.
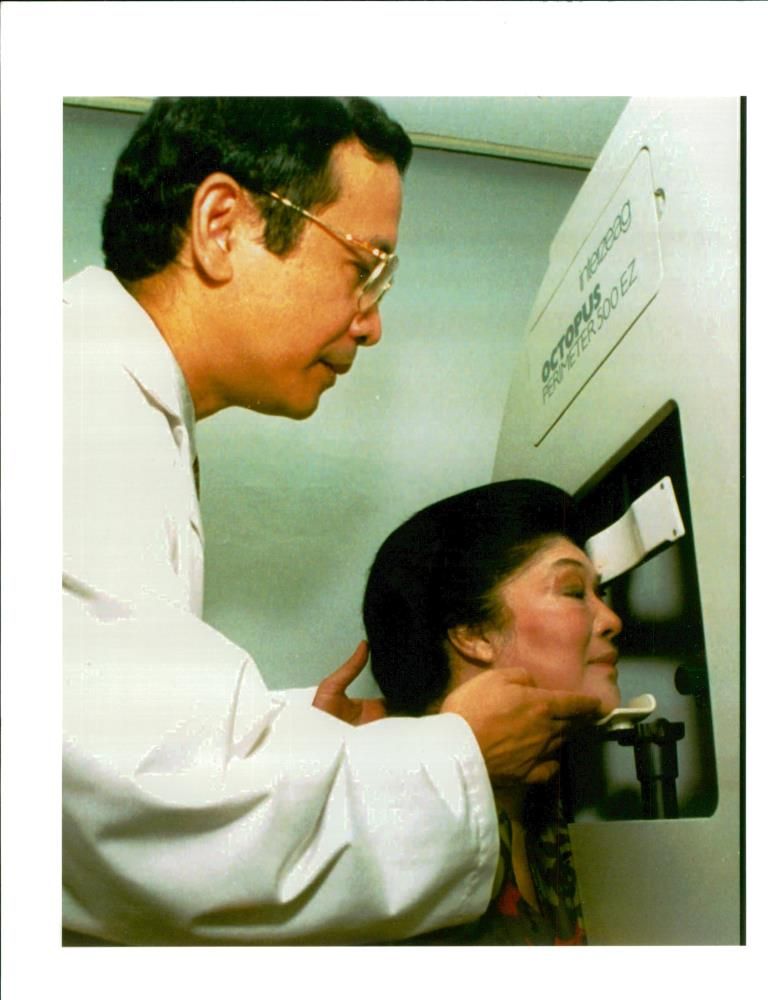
(656,226)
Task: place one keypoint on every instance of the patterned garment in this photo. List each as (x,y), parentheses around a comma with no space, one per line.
(509,920)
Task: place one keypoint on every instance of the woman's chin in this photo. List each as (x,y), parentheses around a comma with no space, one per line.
(610,698)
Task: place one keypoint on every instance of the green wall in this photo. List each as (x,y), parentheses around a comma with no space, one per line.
(294,512)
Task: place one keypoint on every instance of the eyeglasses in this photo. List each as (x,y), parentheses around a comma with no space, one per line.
(380,279)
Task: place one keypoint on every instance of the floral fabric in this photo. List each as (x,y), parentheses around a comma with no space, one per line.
(509,919)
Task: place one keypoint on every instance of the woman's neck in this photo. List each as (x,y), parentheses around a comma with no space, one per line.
(511,800)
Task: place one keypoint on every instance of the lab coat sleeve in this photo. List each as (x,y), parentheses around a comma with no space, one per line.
(200,808)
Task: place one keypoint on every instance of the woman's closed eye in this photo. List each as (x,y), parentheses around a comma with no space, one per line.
(579,592)
(573,585)
(577,581)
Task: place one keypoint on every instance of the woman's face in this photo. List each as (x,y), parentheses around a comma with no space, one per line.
(556,625)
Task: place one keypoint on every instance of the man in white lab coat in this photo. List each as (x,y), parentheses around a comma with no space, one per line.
(247,245)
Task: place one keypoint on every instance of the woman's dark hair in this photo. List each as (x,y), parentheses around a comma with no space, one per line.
(440,569)
(265,143)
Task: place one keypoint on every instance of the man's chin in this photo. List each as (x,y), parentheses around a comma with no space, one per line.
(291,410)
(303,413)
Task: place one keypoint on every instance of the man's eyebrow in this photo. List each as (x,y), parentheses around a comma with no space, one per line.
(376,241)
(381,244)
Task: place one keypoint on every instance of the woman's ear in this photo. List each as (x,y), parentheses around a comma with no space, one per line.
(217,207)
(472,643)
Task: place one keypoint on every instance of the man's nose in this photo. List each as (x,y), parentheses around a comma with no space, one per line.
(366,327)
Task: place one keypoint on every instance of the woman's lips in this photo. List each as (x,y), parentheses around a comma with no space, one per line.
(610,658)
(607,660)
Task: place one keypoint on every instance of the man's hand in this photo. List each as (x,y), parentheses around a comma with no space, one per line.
(332,698)
(518,727)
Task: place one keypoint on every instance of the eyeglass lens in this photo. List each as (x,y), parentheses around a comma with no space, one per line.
(379,282)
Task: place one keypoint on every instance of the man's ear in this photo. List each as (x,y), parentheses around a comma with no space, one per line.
(473,643)
(218,204)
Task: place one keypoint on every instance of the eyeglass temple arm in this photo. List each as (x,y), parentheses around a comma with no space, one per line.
(347,237)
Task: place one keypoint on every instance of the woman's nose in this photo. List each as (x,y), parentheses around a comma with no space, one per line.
(608,623)
(366,327)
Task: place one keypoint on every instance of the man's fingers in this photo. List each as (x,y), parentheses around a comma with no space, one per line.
(338,681)
(538,773)
(566,706)
(562,704)
(557,738)
(543,771)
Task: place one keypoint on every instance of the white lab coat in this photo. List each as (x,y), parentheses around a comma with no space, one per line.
(198,806)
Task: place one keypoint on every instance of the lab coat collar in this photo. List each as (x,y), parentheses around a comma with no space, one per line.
(124,327)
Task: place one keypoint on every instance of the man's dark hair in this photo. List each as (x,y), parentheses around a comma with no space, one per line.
(266,144)
(440,569)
